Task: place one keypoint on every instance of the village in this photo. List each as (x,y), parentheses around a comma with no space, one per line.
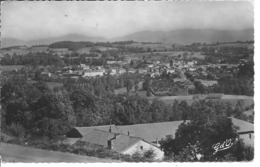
(164,75)
(181,69)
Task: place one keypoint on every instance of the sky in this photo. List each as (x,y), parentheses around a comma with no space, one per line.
(43,19)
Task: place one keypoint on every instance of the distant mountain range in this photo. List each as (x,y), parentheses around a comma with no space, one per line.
(182,36)
(188,36)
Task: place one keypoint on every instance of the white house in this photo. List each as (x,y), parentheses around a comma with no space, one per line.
(84,66)
(132,70)
(170,70)
(192,69)
(142,71)
(207,83)
(111,62)
(245,130)
(121,71)
(118,142)
(142,146)
(92,73)
(112,71)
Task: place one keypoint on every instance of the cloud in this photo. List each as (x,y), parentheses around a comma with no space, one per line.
(31,19)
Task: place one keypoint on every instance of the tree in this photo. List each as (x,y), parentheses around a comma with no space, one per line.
(242,152)
(83,103)
(184,110)
(239,109)
(130,110)
(82,99)
(38,76)
(148,93)
(176,112)
(188,154)
(199,87)
(171,63)
(246,69)
(205,126)
(136,87)
(18,96)
(129,85)
(159,111)
(53,115)
(121,82)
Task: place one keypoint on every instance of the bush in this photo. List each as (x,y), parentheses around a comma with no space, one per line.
(40,142)
(149,154)
(88,149)
(137,157)
(64,147)
(249,153)
(6,138)
(146,156)
(126,158)
(55,147)
(243,152)
(16,130)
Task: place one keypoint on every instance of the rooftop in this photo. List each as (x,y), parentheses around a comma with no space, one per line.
(122,142)
(242,125)
(83,131)
(127,135)
(151,131)
(249,112)
(98,137)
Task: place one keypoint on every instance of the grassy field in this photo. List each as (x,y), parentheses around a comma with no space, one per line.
(169,100)
(11,68)
(158,55)
(250,46)
(16,153)
(151,45)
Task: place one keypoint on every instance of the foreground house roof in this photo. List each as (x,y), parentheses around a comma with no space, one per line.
(98,137)
(119,142)
(129,134)
(152,131)
(243,126)
(249,112)
(123,142)
(79,132)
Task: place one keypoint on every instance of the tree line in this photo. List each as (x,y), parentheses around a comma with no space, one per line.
(40,110)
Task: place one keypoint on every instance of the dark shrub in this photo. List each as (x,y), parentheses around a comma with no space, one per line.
(16,130)
(149,154)
(137,157)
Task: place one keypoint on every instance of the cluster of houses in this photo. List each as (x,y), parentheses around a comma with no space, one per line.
(151,69)
(129,139)
(83,70)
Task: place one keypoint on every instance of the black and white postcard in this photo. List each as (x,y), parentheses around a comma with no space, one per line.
(127,81)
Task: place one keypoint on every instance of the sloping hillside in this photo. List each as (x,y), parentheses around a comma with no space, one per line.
(16,153)
(6,42)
